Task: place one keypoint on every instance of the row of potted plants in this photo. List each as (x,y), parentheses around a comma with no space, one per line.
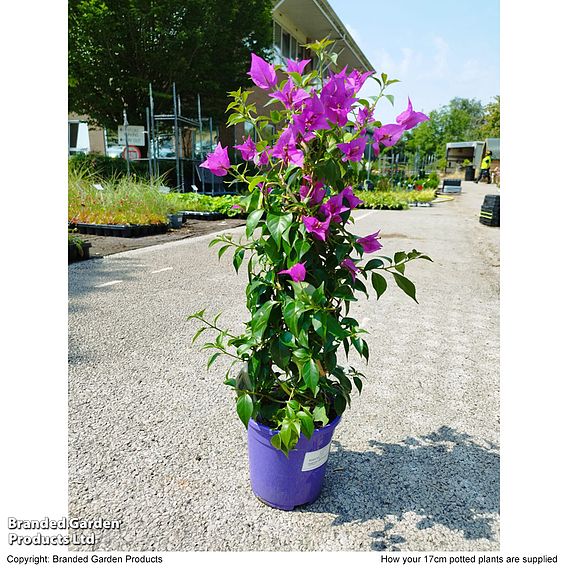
(229,205)
(136,201)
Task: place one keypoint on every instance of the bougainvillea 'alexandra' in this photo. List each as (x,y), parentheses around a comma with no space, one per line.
(305,265)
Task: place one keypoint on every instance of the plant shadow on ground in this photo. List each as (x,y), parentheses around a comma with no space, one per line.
(445,478)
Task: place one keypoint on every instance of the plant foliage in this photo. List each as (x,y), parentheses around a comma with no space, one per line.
(304,266)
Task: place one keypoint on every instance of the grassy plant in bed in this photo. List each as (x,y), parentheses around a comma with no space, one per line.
(122,201)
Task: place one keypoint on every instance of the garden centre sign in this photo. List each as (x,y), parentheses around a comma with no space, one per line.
(135,135)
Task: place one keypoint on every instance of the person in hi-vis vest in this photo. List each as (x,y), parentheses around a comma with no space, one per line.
(485,166)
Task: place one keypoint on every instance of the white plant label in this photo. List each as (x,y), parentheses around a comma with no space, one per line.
(313,460)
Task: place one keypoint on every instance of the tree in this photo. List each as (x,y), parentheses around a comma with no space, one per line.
(117,47)
(490,127)
(458,121)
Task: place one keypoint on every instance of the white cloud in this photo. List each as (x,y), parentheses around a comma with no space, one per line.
(399,67)
(440,68)
(471,72)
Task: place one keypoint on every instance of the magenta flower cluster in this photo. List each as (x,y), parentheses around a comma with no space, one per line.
(312,112)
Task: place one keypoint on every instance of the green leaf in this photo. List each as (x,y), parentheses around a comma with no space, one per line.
(335,328)
(277,224)
(289,433)
(301,355)
(222,250)
(197,334)
(292,406)
(310,374)
(303,338)
(254,199)
(238,258)
(360,286)
(345,293)
(361,346)
(358,383)
(301,247)
(318,295)
(288,339)
(344,381)
(320,415)
(390,98)
(212,358)
(374,263)
(245,408)
(253,182)
(399,257)
(280,354)
(341,251)
(260,319)
(319,323)
(292,313)
(405,285)
(252,221)
(307,423)
(379,284)
(277,442)
(340,404)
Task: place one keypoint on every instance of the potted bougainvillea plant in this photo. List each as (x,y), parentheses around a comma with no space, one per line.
(304,265)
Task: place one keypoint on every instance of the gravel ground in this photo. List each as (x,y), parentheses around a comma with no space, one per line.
(154,440)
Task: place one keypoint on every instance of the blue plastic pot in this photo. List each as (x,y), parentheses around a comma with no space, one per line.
(287,482)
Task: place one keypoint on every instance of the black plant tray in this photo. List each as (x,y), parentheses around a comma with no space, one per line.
(494,210)
(128,231)
(495,222)
(204,215)
(491,199)
(76,253)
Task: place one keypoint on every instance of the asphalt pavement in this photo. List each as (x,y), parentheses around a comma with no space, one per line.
(155,442)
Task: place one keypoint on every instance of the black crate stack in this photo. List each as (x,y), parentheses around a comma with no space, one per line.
(490,214)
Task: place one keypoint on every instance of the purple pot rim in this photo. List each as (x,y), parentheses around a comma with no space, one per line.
(271,431)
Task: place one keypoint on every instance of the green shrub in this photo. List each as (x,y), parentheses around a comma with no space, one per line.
(423,196)
(105,167)
(433,181)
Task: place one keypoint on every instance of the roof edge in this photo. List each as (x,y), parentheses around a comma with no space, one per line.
(335,21)
(329,13)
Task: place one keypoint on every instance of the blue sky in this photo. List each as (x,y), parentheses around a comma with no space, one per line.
(439,49)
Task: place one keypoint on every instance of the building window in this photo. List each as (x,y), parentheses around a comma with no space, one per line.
(293,48)
(286,46)
(277,40)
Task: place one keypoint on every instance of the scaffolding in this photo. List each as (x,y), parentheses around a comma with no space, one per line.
(185,148)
